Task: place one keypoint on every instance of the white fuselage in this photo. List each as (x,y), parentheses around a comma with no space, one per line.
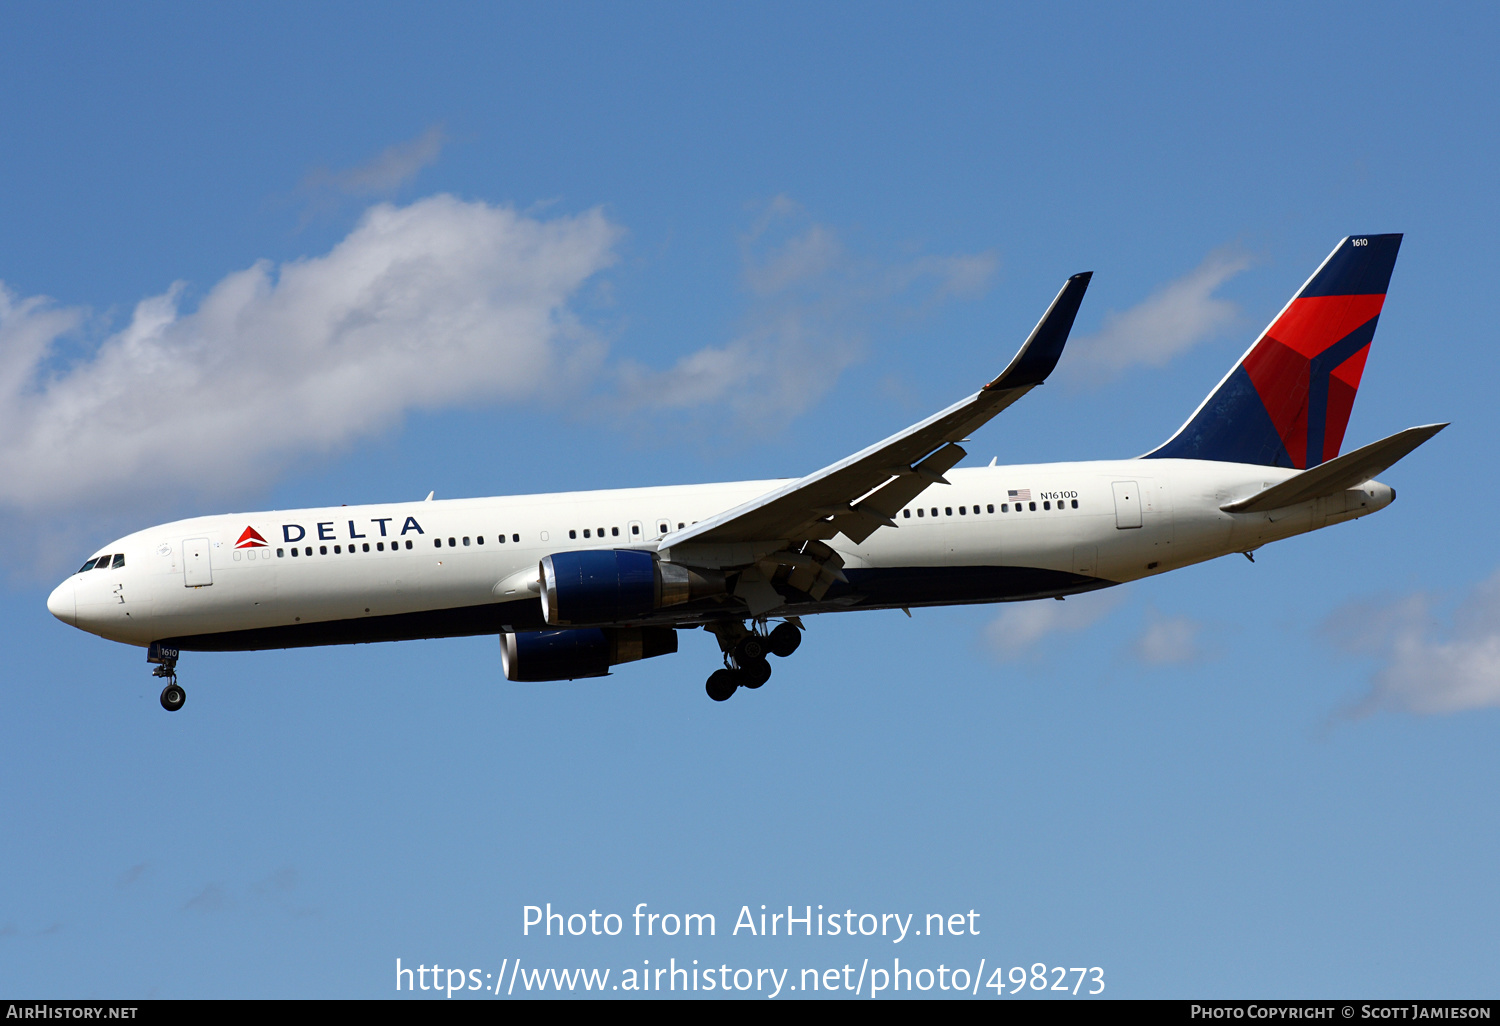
(435,568)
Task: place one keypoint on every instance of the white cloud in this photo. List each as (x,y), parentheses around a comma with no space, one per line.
(1167,323)
(1169,640)
(1425,666)
(1022,625)
(423,306)
(420,307)
(803,258)
(392,168)
(813,305)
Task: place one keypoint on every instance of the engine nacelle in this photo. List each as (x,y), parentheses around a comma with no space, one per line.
(611,585)
(586,652)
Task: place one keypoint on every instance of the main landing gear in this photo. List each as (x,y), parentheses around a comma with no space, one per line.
(745,650)
(172,696)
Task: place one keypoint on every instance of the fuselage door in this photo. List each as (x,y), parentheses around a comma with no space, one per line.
(1127,504)
(637,532)
(195,569)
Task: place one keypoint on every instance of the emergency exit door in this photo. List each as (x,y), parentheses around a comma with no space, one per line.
(1127,504)
(196,572)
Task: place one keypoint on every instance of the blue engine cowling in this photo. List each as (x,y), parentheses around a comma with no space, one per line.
(597,586)
(605,586)
(585,652)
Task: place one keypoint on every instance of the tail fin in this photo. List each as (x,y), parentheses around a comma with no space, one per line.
(1287,402)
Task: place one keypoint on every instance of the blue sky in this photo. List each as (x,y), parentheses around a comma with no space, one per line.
(666,243)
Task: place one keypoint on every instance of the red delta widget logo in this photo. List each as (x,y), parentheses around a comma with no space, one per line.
(251,539)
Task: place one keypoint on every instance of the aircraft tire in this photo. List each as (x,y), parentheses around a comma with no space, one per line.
(172,697)
(750,648)
(754,673)
(722,684)
(783,641)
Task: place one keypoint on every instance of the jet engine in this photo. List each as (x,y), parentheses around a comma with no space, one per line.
(611,585)
(586,652)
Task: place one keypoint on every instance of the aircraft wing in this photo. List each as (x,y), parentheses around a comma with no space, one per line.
(861,493)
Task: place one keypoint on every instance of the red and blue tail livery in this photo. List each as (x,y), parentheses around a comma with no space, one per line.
(1287,402)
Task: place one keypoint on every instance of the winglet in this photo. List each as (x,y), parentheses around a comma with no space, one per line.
(1044,346)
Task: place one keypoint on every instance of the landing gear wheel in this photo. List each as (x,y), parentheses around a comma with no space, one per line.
(751,648)
(172,697)
(783,641)
(721,685)
(754,673)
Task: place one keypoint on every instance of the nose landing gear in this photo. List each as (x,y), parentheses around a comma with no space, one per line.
(172,696)
(745,650)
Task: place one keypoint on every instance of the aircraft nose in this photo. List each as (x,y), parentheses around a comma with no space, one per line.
(63,604)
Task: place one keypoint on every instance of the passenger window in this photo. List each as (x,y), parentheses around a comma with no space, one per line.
(1046,505)
(294,551)
(515,537)
(322,550)
(664,528)
(501,539)
(920,513)
(452,544)
(601,532)
(1004,508)
(585,532)
(280,553)
(480,539)
(380,546)
(934,511)
(635,528)
(436,542)
(408,543)
(1075,503)
(992,508)
(337,550)
(948,510)
(466,539)
(572,534)
(963,511)
(1033,506)
(614,532)
(365,547)
(680,526)
(906,514)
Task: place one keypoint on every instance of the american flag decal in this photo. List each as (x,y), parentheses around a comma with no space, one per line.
(1019,494)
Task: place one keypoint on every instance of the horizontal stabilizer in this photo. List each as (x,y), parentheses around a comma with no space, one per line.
(1337,474)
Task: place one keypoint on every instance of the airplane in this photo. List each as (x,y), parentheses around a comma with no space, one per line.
(574,583)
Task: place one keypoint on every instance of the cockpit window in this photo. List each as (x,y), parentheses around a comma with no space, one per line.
(89,565)
(119,561)
(102,563)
